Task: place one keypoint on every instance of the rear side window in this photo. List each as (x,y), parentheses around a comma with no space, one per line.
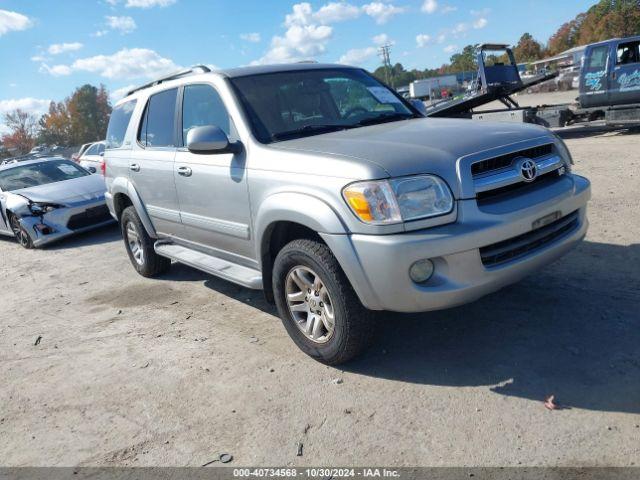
(118,124)
(202,106)
(628,53)
(158,122)
(93,150)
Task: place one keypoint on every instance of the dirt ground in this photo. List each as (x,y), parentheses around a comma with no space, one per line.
(177,370)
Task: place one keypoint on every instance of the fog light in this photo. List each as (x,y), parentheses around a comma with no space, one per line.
(421,271)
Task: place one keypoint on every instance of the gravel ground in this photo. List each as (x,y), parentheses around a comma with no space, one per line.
(177,370)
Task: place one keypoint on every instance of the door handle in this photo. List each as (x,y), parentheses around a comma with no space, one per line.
(184,171)
(134,167)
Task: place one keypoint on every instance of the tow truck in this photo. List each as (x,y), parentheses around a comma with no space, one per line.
(609,88)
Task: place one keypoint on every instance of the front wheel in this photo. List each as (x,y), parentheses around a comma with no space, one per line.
(22,236)
(317,304)
(139,246)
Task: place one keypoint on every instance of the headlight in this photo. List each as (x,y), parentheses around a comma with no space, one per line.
(564,151)
(385,202)
(42,208)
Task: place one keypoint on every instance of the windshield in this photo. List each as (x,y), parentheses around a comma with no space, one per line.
(41,173)
(295,104)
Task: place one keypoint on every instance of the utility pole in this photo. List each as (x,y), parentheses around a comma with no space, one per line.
(386,61)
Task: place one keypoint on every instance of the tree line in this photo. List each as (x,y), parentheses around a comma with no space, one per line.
(81,118)
(606,19)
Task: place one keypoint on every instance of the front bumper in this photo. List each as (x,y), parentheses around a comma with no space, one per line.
(378,265)
(71,219)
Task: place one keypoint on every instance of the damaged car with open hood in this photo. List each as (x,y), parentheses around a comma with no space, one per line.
(46,199)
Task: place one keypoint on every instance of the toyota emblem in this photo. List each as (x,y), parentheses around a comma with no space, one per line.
(528,170)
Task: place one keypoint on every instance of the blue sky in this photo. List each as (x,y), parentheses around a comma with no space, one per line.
(49,47)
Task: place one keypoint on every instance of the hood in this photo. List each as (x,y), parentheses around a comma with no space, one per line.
(416,146)
(66,192)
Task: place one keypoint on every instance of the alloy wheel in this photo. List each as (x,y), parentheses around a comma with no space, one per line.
(21,236)
(310,305)
(135,244)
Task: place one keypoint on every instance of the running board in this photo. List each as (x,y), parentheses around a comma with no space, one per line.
(245,276)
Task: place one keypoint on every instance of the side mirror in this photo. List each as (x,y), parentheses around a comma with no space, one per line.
(209,139)
(92,169)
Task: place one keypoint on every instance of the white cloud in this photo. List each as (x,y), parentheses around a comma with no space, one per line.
(448,9)
(38,58)
(358,56)
(301,14)
(127,63)
(333,12)
(429,6)
(480,23)
(253,37)
(37,106)
(450,48)
(119,93)
(422,40)
(309,31)
(460,28)
(300,42)
(149,3)
(58,48)
(121,24)
(56,70)
(381,12)
(479,13)
(441,38)
(382,39)
(13,21)
(336,12)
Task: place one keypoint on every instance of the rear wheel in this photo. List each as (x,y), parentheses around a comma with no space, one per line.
(139,245)
(317,304)
(22,236)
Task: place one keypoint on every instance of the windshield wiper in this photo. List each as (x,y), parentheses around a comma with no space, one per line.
(385,117)
(311,128)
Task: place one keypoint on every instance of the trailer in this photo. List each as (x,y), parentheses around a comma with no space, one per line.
(609,89)
(425,88)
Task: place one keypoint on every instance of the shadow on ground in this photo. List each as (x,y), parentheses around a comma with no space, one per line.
(571,330)
(106,234)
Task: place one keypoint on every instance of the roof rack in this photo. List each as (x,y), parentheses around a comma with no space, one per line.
(172,76)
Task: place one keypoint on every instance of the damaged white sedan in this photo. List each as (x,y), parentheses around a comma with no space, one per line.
(44,200)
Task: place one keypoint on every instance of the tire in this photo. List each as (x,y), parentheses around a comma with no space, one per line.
(22,236)
(139,245)
(353,325)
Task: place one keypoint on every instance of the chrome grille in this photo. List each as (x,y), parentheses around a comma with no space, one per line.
(522,245)
(504,161)
(494,177)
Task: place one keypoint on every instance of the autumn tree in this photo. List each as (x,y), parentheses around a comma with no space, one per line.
(566,36)
(81,118)
(606,19)
(55,126)
(528,49)
(23,127)
(609,19)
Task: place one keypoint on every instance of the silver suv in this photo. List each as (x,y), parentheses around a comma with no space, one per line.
(326,189)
